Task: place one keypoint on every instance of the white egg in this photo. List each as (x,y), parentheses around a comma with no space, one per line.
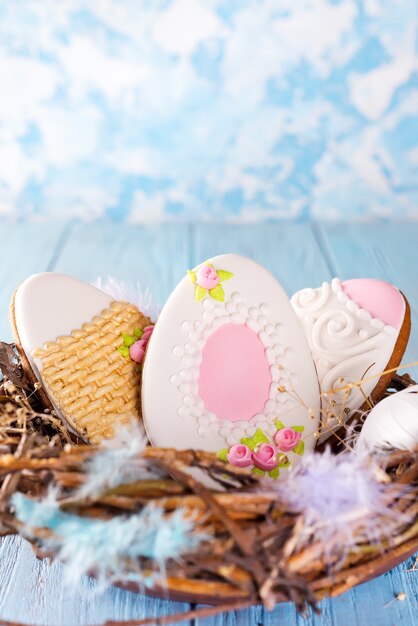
(392,423)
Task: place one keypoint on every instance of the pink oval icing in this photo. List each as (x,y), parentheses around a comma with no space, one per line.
(379,298)
(234,381)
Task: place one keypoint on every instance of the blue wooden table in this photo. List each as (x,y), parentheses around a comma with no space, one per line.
(299,254)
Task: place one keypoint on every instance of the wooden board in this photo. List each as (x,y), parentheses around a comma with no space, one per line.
(299,254)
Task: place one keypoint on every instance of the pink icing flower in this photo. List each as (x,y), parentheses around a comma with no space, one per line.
(137,349)
(265,457)
(147,333)
(207,277)
(239,455)
(286,439)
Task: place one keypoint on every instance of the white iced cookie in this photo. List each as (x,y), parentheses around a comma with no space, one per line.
(229,369)
(356,329)
(77,342)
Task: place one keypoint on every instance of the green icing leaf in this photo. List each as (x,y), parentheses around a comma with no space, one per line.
(285,463)
(258,471)
(208,264)
(128,340)
(217,293)
(274,473)
(124,351)
(279,425)
(260,437)
(255,440)
(300,448)
(223,275)
(222,454)
(138,333)
(192,276)
(200,293)
(298,429)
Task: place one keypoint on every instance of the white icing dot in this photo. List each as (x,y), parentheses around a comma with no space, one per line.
(187,359)
(279,350)
(187,327)
(269,406)
(364,315)
(195,411)
(278,328)
(178,352)
(236,298)
(237,433)
(194,371)
(376,323)
(252,324)
(269,328)
(213,427)
(211,417)
(200,343)
(265,339)
(188,400)
(253,312)
(224,431)
(231,439)
(236,318)
(185,375)
(262,320)
(190,348)
(230,307)
(264,309)
(241,308)
(363,334)
(208,304)
(219,310)
(194,335)
(270,429)
(389,330)
(199,325)
(273,389)
(208,316)
(202,431)
(289,352)
(183,412)
(270,355)
(185,387)
(352,306)
(274,337)
(175,380)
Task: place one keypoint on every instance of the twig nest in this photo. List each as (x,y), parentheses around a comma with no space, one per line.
(392,423)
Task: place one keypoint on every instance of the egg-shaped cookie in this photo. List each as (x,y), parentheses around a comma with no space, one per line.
(77,341)
(357,330)
(229,370)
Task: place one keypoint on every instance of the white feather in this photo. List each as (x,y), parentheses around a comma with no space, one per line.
(392,423)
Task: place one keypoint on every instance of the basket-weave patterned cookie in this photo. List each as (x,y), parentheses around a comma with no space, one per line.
(92,384)
(78,343)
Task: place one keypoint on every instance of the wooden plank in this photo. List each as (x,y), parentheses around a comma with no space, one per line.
(155,255)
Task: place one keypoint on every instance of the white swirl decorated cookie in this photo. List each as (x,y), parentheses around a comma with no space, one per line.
(228,369)
(84,348)
(356,329)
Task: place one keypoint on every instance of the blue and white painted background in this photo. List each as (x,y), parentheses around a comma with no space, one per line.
(147,110)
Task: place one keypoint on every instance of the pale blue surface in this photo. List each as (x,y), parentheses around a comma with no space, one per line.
(299,255)
(204,109)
